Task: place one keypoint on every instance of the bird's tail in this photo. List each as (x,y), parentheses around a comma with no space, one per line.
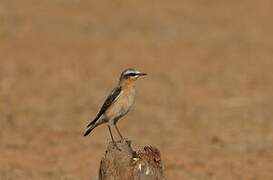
(91,126)
(94,121)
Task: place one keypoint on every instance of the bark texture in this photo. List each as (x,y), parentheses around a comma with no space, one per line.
(121,162)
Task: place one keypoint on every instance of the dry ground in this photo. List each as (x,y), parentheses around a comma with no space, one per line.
(207,103)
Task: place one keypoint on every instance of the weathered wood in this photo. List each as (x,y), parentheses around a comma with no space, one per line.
(121,162)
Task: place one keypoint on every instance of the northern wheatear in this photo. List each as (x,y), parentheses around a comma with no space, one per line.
(118,103)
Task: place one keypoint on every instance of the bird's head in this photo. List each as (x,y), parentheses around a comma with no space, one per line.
(130,75)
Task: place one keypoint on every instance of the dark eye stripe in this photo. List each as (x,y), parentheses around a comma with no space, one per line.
(130,74)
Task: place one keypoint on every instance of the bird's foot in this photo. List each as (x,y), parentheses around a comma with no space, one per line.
(126,140)
(115,145)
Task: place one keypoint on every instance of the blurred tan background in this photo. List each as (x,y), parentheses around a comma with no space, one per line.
(207,103)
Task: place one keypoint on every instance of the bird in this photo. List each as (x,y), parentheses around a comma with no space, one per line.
(118,103)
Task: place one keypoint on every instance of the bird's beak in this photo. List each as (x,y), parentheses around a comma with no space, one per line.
(142,74)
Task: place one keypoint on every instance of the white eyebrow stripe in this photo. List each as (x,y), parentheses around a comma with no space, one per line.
(132,71)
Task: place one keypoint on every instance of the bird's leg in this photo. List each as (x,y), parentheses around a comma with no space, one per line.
(111,134)
(114,142)
(120,135)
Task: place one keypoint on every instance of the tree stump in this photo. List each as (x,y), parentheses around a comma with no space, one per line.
(121,162)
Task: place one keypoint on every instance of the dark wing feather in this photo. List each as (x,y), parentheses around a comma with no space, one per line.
(109,100)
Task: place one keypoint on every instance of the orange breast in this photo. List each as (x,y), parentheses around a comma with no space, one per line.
(122,105)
